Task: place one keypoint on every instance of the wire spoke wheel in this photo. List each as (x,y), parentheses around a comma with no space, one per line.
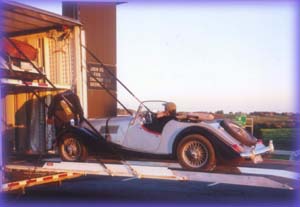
(195,152)
(71,149)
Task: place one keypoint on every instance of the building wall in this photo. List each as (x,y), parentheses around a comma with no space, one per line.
(99,25)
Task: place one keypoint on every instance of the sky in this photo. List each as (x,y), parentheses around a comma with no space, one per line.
(207,56)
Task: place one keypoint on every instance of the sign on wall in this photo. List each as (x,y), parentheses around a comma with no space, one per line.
(102,76)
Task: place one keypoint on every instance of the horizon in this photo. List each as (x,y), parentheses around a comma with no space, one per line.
(230,56)
(233,112)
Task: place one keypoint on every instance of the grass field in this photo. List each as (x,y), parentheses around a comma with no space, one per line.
(283,138)
(282,129)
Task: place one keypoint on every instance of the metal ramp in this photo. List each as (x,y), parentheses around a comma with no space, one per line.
(243,176)
(21,185)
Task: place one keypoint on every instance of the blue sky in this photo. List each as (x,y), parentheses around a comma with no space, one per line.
(207,56)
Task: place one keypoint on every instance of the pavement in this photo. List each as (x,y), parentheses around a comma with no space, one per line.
(282,152)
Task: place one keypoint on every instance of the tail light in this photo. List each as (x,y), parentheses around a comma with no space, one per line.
(259,141)
(236,148)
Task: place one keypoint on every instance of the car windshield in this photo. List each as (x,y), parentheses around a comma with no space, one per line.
(153,106)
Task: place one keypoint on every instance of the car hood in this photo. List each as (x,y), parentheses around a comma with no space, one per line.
(120,121)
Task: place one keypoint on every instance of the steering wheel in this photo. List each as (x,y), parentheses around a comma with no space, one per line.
(148,117)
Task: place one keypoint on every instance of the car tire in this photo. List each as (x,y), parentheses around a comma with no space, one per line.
(72,149)
(195,152)
(238,133)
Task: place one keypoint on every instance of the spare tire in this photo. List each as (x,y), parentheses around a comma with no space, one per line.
(238,132)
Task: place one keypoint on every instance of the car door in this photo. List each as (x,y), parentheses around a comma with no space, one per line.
(139,138)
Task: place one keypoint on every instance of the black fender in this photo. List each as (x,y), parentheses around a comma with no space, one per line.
(86,135)
(220,146)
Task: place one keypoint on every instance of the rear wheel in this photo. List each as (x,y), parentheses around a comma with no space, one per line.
(72,149)
(195,152)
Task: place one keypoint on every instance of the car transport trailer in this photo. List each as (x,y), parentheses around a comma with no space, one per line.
(20,176)
(277,174)
(24,174)
(28,174)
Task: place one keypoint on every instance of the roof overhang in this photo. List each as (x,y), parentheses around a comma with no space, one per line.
(95,2)
(18,19)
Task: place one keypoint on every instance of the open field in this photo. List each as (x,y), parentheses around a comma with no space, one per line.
(283,129)
(283,138)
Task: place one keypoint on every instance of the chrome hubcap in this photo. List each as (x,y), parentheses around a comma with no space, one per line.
(72,148)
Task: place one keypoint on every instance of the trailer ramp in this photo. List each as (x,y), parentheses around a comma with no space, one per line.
(56,178)
(247,176)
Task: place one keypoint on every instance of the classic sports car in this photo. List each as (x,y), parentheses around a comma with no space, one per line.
(196,140)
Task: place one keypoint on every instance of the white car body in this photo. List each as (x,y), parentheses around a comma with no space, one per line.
(129,133)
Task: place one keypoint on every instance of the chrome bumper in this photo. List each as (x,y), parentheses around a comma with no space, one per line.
(258,150)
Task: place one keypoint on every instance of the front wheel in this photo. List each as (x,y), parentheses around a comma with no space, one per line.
(195,152)
(72,149)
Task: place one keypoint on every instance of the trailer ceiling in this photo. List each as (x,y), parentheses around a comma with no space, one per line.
(18,19)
